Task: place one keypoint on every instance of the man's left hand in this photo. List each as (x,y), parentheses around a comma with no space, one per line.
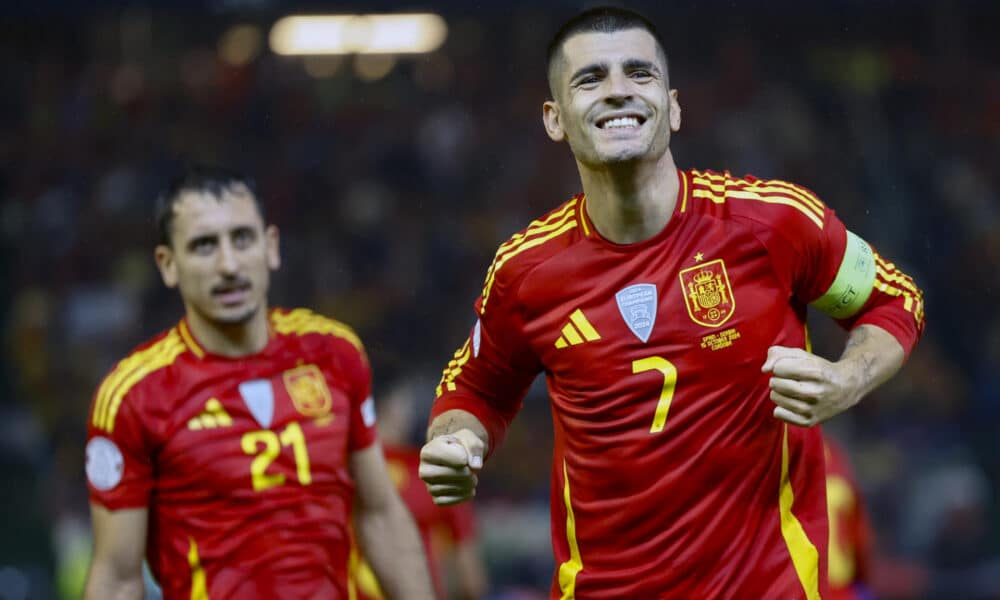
(806,388)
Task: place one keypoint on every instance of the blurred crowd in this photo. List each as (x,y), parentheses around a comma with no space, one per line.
(393,179)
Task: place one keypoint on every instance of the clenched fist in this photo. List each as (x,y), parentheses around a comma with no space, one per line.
(449,465)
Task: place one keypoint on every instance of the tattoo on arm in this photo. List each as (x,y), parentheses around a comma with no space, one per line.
(443,427)
(865,359)
(858,337)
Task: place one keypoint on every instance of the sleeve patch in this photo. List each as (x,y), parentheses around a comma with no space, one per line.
(477,337)
(105,465)
(854,281)
(368,411)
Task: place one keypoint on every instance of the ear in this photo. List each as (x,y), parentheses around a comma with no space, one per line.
(271,238)
(675,112)
(552,119)
(164,257)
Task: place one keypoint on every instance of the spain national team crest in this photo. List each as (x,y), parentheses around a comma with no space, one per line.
(637,304)
(707,293)
(307,389)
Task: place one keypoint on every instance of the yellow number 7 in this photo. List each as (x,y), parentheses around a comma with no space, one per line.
(669,371)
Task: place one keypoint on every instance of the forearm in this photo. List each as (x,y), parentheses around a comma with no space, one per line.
(454,420)
(391,544)
(105,583)
(871,357)
(472,582)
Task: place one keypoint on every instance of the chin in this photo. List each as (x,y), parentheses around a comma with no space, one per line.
(235,316)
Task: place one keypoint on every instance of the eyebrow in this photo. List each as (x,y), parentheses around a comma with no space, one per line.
(636,63)
(629,65)
(591,68)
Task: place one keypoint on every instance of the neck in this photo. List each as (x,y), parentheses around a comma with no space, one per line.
(631,203)
(231,340)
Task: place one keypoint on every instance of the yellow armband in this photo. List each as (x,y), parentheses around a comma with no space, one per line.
(854,281)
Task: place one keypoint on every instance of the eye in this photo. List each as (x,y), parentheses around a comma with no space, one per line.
(588,81)
(641,74)
(203,245)
(244,238)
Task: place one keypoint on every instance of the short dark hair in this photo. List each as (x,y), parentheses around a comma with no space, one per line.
(602,19)
(199,178)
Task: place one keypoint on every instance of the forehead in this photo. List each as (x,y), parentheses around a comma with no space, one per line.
(200,213)
(609,48)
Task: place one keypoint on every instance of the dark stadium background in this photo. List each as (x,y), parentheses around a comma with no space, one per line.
(392,193)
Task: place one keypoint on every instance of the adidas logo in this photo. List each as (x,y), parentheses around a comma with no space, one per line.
(213,416)
(577,331)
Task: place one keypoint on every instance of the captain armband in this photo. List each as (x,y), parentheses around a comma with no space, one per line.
(854,281)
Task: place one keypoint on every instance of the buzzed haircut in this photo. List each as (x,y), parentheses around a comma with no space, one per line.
(199,178)
(603,19)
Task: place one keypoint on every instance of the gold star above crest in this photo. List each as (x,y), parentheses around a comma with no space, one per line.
(699,257)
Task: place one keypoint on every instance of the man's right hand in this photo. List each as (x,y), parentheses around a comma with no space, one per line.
(449,464)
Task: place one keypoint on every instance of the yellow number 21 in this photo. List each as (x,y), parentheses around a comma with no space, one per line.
(291,436)
(669,371)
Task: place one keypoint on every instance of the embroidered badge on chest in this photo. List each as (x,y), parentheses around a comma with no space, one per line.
(258,395)
(708,293)
(637,304)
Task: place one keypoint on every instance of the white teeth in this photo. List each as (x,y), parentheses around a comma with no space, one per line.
(621,122)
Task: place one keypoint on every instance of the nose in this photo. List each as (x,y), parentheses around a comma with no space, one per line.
(619,86)
(227,263)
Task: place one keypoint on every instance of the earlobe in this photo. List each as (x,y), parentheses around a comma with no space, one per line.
(164,258)
(273,247)
(553,121)
(675,112)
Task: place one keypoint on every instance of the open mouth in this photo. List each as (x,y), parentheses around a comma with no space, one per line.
(627,121)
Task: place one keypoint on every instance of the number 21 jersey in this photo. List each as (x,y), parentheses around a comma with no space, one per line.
(242,463)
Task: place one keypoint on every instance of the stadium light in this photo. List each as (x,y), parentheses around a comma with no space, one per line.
(358,34)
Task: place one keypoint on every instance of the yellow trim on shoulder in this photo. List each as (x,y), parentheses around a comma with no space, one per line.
(537,226)
(130,371)
(572,567)
(583,216)
(566,223)
(303,321)
(805,558)
(790,188)
(719,189)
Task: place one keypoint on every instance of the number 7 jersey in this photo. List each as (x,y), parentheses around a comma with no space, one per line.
(242,463)
(670,476)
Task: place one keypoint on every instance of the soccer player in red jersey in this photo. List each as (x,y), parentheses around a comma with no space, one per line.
(448,532)
(667,309)
(230,450)
(851,537)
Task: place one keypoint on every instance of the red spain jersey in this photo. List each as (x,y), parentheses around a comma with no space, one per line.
(441,527)
(851,537)
(670,476)
(241,462)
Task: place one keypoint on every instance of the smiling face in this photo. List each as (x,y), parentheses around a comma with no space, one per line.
(220,256)
(612,103)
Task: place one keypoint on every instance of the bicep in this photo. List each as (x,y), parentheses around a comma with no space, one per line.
(119,538)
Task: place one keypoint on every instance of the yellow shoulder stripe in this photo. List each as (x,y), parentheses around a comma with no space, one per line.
(537,226)
(719,189)
(303,321)
(552,227)
(131,371)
